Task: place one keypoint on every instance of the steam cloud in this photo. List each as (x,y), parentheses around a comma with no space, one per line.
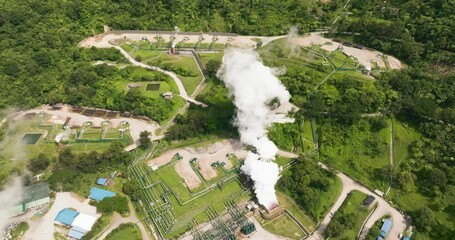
(254,87)
(10,196)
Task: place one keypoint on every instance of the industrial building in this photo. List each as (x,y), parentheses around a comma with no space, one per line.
(99,194)
(102,181)
(385,229)
(33,196)
(78,223)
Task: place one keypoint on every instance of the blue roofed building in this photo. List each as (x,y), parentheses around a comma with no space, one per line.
(66,217)
(386,226)
(75,234)
(102,181)
(99,194)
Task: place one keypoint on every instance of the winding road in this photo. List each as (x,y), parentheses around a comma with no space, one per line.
(117,220)
(349,185)
(174,76)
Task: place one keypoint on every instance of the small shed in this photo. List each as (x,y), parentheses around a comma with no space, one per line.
(168,95)
(386,226)
(102,181)
(99,194)
(368,201)
(66,217)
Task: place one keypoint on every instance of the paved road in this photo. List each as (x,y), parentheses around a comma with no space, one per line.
(117,220)
(349,185)
(384,208)
(177,80)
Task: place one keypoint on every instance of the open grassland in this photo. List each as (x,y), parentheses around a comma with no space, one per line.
(128,231)
(298,212)
(206,57)
(184,66)
(283,226)
(327,199)
(357,151)
(403,135)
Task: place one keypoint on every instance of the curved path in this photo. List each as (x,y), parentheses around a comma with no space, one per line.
(174,76)
(349,185)
(117,220)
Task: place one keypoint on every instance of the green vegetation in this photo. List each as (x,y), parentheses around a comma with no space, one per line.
(19,230)
(78,172)
(284,226)
(184,66)
(100,225)
(349,218)
(213,120)
(125,231)
(113,204)
(314,188)
(360,150)
(374,231)
(300,214)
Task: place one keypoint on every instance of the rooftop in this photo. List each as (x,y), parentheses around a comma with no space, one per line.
(102,181)
(36,192)
(66,216)
(99,194)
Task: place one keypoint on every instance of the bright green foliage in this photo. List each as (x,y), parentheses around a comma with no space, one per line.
(311,187)
(125,231)
(39,163)
(113,204)
(349,218)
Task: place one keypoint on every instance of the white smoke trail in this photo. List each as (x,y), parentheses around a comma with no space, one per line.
(293,33)
(254,86)
(10,196)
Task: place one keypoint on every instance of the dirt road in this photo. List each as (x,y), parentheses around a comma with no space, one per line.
(383,209)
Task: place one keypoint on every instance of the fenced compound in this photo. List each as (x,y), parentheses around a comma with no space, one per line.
(152,87)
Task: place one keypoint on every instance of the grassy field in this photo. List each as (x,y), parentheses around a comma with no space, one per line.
(125,231)
(281,161)
(163,59)
(339,60)
(283,226)
(353,205)
(327,199)
(206,57)
(298,212)
(308,136)
(403,135)
(357,151)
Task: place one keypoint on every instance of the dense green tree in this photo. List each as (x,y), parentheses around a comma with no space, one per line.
(113,204)
(39,163)
(144,139)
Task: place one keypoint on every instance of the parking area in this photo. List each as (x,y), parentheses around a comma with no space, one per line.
(43,227)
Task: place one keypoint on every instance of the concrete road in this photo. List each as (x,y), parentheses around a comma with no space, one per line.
(349,185)
(117,220)
(384,208)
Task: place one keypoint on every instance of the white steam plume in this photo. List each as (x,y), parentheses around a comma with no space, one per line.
(10,196)
(292,34)
(254,86)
